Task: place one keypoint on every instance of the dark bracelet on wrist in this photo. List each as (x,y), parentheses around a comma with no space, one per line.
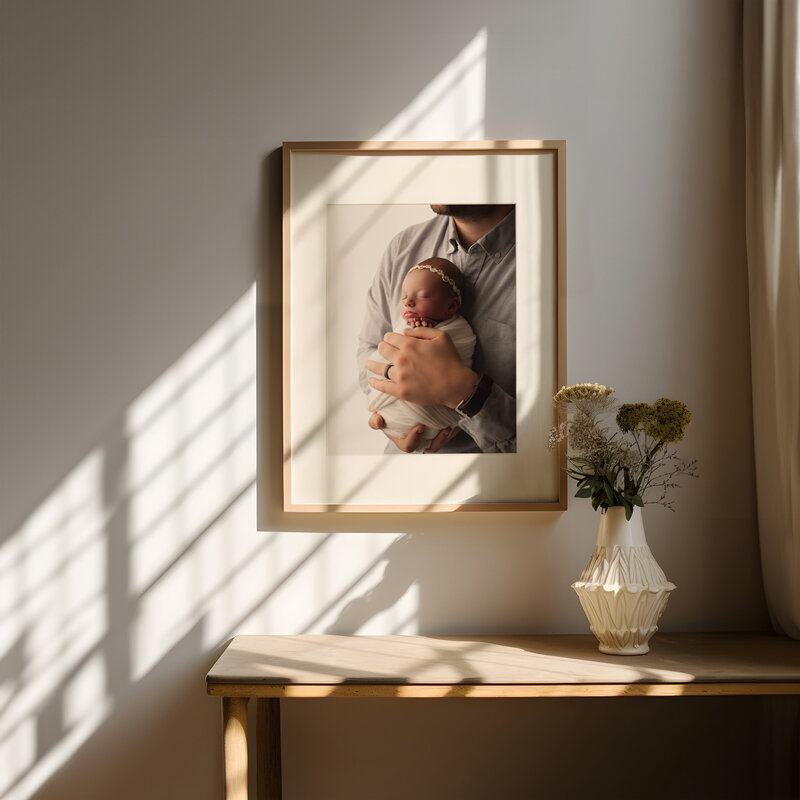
(474,402)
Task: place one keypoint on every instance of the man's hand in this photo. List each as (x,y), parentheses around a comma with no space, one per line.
(409,443)
(425,368)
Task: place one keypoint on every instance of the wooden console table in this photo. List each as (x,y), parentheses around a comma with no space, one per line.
(271,668)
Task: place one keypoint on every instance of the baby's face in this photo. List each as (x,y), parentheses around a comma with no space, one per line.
(426,298)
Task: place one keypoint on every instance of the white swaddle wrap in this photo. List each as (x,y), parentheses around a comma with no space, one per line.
(400,416)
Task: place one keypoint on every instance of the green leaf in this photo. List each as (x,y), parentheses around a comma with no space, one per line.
(637,501)
(586,491)
(628,509)
(609,489)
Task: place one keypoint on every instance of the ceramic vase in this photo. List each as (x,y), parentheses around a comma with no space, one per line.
(623,591)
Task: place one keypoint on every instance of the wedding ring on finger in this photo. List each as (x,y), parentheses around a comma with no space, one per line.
(386,371)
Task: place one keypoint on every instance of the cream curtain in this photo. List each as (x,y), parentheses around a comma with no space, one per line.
(771,91)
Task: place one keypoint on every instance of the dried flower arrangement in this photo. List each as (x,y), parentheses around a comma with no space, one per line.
(621,467)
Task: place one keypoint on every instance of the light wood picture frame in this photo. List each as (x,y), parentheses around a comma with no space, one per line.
(342,204)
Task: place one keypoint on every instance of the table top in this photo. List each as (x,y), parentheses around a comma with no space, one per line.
(502,666)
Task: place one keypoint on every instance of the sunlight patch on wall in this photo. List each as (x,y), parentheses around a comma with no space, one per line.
(124,558)
(53,617)
(368,598)
(452,106)
(191,468)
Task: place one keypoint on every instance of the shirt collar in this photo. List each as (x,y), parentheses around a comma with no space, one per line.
(452,237)
(498,241)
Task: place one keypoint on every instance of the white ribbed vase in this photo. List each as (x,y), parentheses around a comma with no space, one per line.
(623,591)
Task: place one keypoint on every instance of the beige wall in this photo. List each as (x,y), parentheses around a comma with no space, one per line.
(140,199)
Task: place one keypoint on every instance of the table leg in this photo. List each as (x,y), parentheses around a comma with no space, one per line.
(268,742)
(234,733)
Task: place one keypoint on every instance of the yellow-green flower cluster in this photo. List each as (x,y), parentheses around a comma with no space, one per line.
(582,391)
(666,420)
(632,416)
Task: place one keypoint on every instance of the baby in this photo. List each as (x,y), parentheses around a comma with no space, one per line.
(431,296)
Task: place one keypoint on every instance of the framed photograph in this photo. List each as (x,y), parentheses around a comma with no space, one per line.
(424,325)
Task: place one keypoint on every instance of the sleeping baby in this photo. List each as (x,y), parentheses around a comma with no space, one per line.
(431,296)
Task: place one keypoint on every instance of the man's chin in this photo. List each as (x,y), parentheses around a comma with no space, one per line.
(463,211)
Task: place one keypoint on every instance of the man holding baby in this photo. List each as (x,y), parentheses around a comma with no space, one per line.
(424,367)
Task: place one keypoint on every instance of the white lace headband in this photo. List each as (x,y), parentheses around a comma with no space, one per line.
(446,278)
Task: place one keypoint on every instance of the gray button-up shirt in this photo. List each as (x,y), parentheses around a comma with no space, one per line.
(489,305)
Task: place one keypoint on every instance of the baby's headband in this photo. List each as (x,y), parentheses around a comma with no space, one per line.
(446,278)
